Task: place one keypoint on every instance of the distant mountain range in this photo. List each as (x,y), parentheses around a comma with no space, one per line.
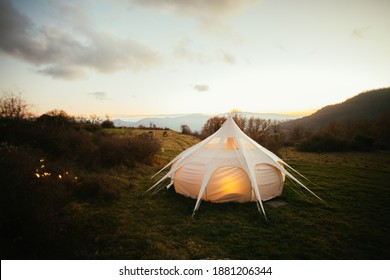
(194,121)
(364,106)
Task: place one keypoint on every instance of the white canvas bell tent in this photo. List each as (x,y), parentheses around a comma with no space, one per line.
(228,166)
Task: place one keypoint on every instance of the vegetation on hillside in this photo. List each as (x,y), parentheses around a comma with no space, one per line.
(361,123)
(368,135)
(366,106)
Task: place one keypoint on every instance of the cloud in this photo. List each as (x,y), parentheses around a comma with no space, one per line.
(201,88)
(359,33)
(186,49)
(99,95)
(63,72)
(15,33)
(228,58)
(205,10)
(69,54)
(110,54)
(210,15)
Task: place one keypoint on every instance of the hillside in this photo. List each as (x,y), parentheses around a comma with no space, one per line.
(364,106)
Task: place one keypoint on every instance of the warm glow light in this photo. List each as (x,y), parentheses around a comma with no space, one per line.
(230,144)
(228,182)
(229,185)
(300,113)
(59,177)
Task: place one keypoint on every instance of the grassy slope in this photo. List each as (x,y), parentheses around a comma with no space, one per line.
(354,224)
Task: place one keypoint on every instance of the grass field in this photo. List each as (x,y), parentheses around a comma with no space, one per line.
(353,225)
(122,222)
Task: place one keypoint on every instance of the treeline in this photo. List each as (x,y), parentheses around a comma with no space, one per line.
(266,132)
(50,166)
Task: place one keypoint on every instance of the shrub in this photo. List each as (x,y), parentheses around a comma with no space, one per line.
(362,142)
(56,119)
(108,124)
(185,129)
(323,143)
(116,150)
(143,150)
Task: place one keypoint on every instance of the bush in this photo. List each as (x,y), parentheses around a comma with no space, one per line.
(116,150)
(143,149)
(108,124)
(185,129)
(323,143)
(362,142)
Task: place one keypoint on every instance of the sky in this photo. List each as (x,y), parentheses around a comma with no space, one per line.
(156,57)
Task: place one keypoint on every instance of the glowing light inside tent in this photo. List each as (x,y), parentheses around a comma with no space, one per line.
(230,144)
(229,183)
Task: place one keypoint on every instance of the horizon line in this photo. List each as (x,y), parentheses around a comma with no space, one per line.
(135,117)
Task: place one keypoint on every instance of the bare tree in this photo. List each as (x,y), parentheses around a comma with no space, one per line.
(296,135)
(12,106)
(185,129)
(261,128)
(94,119)
(239,119)
(212,125)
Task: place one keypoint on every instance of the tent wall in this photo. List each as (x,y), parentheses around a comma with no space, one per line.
(188,179)
(269,181)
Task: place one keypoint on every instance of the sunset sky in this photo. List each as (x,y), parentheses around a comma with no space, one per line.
(149,57)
